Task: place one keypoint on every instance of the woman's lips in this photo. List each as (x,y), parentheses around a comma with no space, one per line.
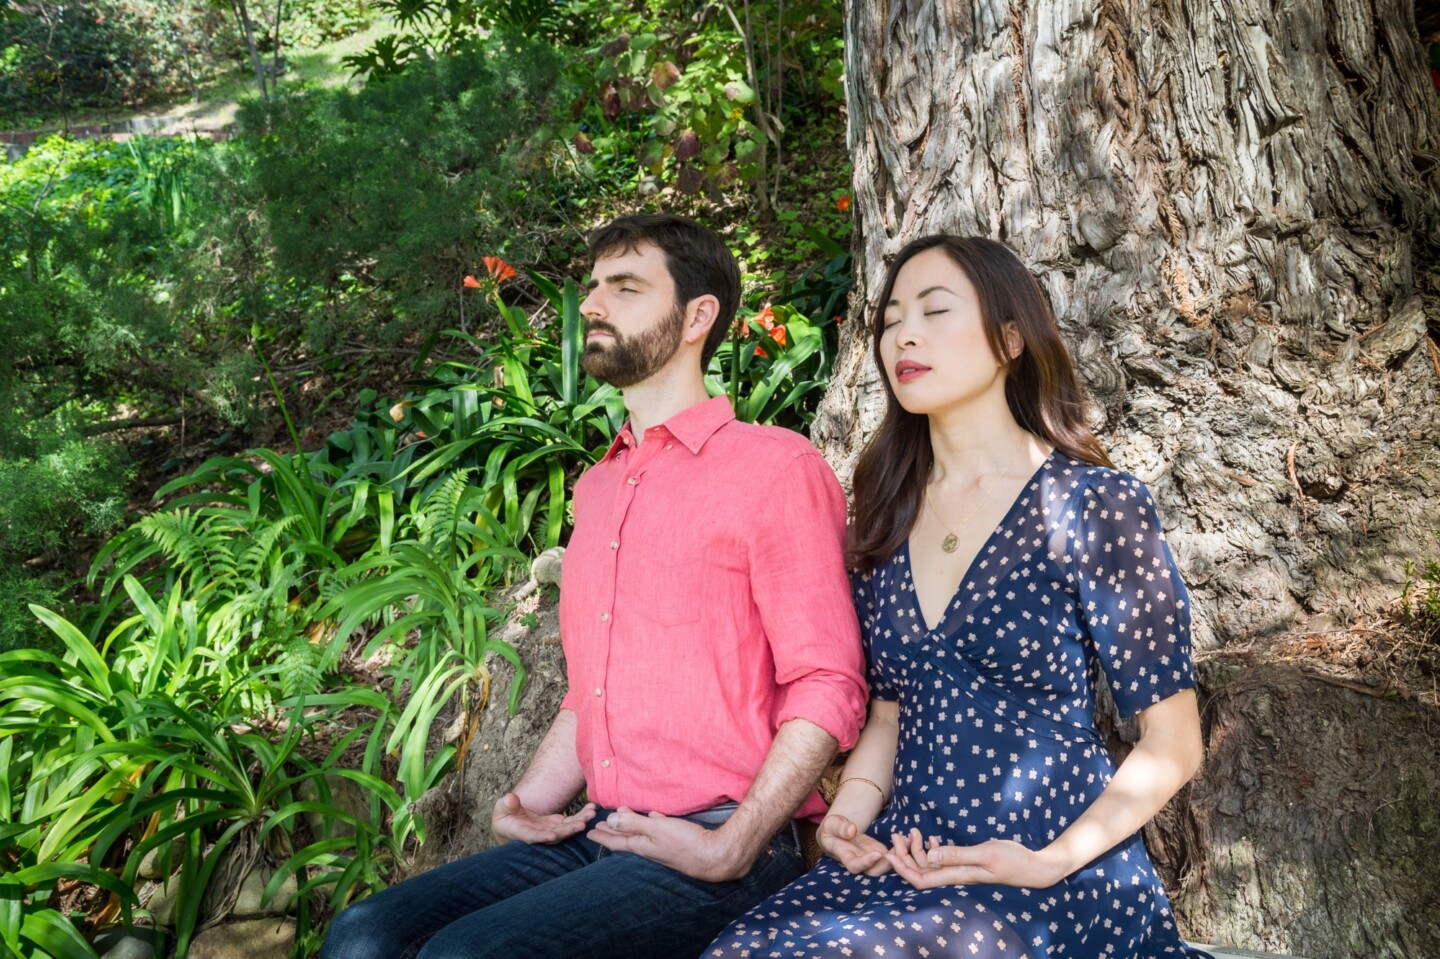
(905,371)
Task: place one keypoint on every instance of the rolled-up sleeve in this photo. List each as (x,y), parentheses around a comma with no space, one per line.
(802,592)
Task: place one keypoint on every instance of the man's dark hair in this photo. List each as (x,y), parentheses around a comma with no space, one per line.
(698,261)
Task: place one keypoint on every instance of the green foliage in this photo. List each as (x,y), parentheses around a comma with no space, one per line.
(702,95)
(525,415)
(382,199)
(20,589)
(56,58)
(44,501)
(96,52)
(81,224)
(142,744)
(779,377)
(698,95)
(72,490)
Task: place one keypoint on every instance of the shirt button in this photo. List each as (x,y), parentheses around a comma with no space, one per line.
(632,481)
(605,763)
(604,617)
(669,446)
(614,544)
(597,690)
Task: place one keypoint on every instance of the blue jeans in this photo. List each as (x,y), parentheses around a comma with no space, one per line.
(572,900)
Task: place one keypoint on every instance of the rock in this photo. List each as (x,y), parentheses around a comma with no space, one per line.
(456,814)
(150,867)
(162,903)
(127,946)
(546,568)
(251,939)
(252,891)
(345,795)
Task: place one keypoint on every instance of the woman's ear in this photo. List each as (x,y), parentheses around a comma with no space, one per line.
(1014,342)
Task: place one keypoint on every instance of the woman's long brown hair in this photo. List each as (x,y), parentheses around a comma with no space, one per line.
(1041,389)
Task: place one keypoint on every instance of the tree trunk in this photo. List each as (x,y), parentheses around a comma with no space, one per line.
(1232,207)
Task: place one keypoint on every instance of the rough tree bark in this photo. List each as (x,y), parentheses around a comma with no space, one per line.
(1232,207)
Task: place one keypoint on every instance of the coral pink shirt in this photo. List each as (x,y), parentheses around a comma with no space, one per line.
(705,602)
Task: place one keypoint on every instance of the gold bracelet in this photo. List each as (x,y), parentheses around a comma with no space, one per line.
(862,779)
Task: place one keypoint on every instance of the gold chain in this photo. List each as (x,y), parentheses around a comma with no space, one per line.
(952,542)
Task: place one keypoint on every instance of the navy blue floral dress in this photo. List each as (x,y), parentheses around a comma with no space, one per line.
(998,739)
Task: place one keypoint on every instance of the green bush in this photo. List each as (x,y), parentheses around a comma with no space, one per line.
(148,743)
(21,588)
(85,229)
(381,200)
(79,487)
(55,58)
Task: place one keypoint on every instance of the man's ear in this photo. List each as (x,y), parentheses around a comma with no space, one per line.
(700,315)
(1014,342)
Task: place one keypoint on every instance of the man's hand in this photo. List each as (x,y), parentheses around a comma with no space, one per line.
(857,851)
(682,845)
(1001,862)
(511,820)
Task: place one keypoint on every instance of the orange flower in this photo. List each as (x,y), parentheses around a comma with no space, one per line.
(766,318)
(843,204)
(471,283)
(498,268)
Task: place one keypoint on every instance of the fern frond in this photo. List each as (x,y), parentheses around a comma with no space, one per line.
(191,543)
(261,548)
(439,513)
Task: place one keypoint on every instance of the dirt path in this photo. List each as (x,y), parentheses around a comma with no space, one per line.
(210,118)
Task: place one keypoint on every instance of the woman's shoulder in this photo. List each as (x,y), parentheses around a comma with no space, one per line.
(1094,482)
(1086,493)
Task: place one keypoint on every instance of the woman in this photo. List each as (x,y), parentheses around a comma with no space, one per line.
(1003,570)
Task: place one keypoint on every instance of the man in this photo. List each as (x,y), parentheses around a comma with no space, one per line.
(712,651)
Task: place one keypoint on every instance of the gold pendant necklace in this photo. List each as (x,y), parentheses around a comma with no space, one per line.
(951,542)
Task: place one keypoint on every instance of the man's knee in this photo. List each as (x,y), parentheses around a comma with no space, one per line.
(360,931)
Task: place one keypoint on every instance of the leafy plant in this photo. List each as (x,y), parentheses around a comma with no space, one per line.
(376,199)
(526,416)
(138,746)
(778,377)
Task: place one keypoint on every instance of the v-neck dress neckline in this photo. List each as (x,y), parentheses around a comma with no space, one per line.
(908,567)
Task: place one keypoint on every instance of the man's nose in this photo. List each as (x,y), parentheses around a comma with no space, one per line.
(590,307)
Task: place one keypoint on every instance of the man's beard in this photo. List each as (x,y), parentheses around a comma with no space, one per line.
(627,360)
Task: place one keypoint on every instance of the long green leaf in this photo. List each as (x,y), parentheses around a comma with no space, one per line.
(56,936)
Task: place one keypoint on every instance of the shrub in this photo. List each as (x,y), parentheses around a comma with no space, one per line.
(381,199)
(117,53)
(101,52)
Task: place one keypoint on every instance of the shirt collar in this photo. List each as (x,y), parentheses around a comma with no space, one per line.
(692,426)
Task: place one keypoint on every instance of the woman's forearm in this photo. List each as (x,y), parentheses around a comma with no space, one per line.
(866,782)
(1165,758)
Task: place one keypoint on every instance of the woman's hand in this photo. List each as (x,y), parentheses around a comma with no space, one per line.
(1001,862)
(857,851)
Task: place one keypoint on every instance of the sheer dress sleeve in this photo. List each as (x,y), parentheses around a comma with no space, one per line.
(862,591)
(1133,605)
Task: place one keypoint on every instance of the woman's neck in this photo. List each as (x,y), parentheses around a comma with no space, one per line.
(980,441)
